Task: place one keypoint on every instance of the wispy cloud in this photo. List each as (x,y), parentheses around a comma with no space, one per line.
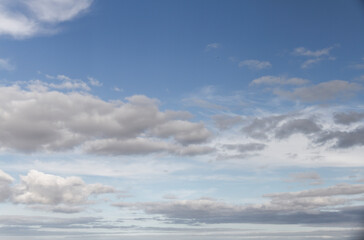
(314,56)
(6,65)
(274,80)
(255,64)
(211,46)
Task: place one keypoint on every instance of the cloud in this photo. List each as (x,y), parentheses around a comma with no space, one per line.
(248,147)
(347,118)
(310,62)
(303,126)
(33,120)
(325,91)
(316,206)
(312,177)
(343,139)
(211,46)
(224,122)
(6,65)
(358,65)
(255,64)
(59,82)
(301,51)
(94,82)
(55,193)
(272,80)
(5,182)
(259,128)
(24,19)
(315,56)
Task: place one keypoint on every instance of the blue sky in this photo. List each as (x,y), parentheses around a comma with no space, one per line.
(181,119)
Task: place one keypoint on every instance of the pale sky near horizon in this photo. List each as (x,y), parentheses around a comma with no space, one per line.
(199,120)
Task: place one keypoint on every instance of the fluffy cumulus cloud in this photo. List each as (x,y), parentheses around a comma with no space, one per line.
(22,19)
(255,64)
(306,207)
(44,120)
(50,192)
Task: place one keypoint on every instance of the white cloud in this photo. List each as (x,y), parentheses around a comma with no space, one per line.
(301,51)
(273,80)
(94,82)
(255,64)
(312,177)
(6,65)
(55,193)
(54,121)
(35,17)
(315,56)
(211,46)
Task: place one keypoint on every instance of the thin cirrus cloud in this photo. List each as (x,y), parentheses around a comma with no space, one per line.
(255,64)
(36,17)
(49,120)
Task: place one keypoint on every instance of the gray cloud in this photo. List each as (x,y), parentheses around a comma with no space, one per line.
(5,188)
(343,139)
(322,92)
(248,147)
(54,121)
(316,206)
(312,177)
(35,17)
(304,126)
(260,127)
(224,122)
(347,118)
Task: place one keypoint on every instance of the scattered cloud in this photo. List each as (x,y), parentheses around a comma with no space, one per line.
(273,80)
(325,91)
(211,46)
(301,51)
(312,177)
(24,19)
(6,65)
(315,56)
(255,64)
(54,121)
(358,66)
(94,82)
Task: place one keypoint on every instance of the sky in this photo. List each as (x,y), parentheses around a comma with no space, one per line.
(199,120)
